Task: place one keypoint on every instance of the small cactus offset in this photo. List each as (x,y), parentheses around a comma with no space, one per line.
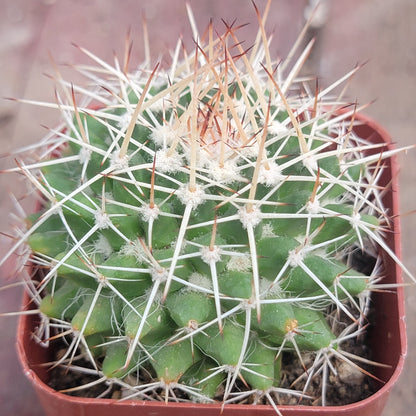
(198,222)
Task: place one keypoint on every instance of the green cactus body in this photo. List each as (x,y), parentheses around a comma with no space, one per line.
(100,317)
(188,308)
(197,222)
(274,318)
(62,303)
(95,345)
(200,376)
(157,321)
(73,267)
(171,362)
(126,274)
(114,363)
(265,368)
(224,347)
(314,331)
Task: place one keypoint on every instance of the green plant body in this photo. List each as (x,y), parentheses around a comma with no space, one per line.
(199,221)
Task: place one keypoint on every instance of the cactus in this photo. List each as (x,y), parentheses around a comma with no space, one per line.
(199,221)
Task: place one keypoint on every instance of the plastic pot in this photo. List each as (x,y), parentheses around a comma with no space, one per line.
(387,340)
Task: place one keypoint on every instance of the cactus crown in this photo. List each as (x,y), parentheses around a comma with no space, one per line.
(198,221)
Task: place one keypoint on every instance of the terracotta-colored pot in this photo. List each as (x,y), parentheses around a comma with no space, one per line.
(387,341)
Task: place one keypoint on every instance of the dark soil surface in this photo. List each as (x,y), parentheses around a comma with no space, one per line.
(347,387)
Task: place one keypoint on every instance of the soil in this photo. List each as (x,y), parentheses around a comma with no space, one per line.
(341,390)
(63,379)
(348,387)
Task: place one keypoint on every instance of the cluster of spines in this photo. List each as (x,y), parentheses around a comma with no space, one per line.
(195,225)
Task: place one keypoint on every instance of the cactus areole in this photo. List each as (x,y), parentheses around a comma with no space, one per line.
(199,222)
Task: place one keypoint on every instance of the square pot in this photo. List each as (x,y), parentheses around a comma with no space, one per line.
(387,340)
